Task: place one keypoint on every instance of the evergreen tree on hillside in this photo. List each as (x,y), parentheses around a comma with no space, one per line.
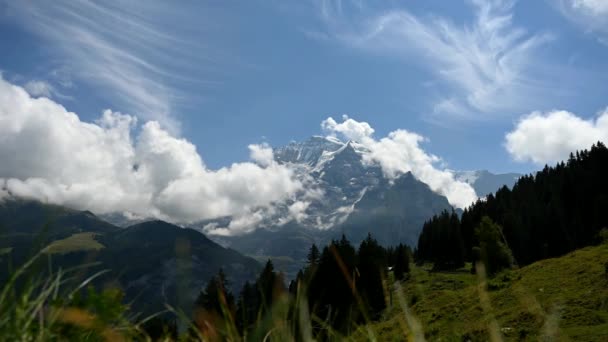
(269,285)
(313,256)
(312,261)
(557,210)
(215,305)
(493,252)
(441,242)
(216,297)
(401,262)
(371,264)
(248,307)
(330,291)
(257,299)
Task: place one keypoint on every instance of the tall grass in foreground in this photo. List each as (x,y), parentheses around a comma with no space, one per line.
(54,307)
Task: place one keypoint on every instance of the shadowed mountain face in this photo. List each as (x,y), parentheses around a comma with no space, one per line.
(394,212)
(19,216)
(170,263)
(153,262)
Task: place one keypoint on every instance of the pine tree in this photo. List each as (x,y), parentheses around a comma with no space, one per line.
(494,253)
(371,265)
(313,255)
(216,297)
(248,306)
(401,265)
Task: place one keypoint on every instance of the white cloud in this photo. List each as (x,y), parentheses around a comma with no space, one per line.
(49,154)
(39,88)
(261,154)
(590,15)
(489,66)
(551,137)
(594,7)
(297,210)
(351,129)
(400,152)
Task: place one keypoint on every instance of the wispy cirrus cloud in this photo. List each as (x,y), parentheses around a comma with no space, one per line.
(135,53)
(488,67)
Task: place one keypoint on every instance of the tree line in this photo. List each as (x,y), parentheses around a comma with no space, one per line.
(341,287)
(553,212)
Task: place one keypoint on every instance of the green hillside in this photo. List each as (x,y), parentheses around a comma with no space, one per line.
(75,243)
(559,299)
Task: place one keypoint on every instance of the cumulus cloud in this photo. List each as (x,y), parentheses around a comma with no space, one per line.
(261,154)
(487,67)
(349,128)
(550,137)
(49,154)
(400,152)
(297,210)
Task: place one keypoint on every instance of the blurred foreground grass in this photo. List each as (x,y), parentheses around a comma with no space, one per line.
(560,299)
(557,299)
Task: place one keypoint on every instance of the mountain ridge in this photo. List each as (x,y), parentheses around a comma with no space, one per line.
(153,262)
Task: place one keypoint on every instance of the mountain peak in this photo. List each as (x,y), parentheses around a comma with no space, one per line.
(307,152)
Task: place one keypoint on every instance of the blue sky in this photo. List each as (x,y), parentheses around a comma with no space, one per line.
(225,74)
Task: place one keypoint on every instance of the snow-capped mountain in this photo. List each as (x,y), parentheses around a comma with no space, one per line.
(308,152)
(339,171)
(344,181)
(355,199)
(345,194)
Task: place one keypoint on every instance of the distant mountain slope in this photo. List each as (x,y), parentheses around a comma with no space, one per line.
(485,182)
(159,260)
(394,213)
(153,262)
(19,216)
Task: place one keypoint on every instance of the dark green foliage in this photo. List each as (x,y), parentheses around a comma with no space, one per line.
(559,209)
(313,256)
(344,286)
(216,297)
(269,285)
(330,290)
(493,252)
(372,264)
(399,259)
(257,299)
(248,306)
(441,242)
(161,329)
